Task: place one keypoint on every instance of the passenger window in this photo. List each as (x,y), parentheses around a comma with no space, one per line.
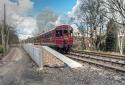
(58,33)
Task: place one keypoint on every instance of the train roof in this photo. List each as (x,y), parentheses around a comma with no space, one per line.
(57,27)
(64,27)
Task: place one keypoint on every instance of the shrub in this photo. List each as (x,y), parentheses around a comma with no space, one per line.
(1,49)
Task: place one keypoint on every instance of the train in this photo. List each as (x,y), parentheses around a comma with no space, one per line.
(61,38)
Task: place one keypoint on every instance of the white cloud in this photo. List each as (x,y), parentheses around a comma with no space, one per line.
(12,8)
(24,6)
(45,20)
(58,21)
(75,9)
(73,14)
(21,37)
(63,19)
(26,27)
(16,16)
(66,19)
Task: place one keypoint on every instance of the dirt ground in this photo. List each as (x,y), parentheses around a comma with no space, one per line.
(18,69)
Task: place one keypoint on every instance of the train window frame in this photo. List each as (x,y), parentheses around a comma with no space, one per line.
(71,32)
(59,34)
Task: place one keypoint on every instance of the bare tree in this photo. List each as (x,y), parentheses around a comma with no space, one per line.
(92,15)
(116,11)
(116,8)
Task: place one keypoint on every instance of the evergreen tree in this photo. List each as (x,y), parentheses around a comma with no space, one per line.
(111,39)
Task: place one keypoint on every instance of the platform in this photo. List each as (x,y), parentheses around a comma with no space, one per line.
(71,63)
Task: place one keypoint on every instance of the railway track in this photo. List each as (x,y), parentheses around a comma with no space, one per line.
(122,57)
(114,63)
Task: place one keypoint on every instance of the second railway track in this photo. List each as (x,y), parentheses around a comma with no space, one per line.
(121,57)
(107,62)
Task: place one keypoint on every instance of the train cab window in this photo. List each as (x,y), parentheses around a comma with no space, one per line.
(58,33)
(66,32)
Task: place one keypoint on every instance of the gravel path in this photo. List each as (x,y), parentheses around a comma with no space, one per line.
(66,76)
(20,70)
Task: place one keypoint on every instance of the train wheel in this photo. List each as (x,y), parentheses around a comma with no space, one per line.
(65,50)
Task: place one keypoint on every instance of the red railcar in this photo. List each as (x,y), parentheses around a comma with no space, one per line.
(61,37)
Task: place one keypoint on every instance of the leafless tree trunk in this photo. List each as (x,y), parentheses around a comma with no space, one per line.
(2,35)
(7,38)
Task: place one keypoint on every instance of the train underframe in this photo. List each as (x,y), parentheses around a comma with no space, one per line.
(64,48)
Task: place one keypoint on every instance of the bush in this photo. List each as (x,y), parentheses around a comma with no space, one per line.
(1,49)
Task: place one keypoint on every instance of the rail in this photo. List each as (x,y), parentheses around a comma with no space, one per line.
(99,61)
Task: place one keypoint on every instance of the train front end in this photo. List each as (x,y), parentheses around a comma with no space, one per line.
(64,37)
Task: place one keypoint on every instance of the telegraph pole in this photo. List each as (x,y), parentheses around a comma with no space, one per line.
(4,27)
(4,16)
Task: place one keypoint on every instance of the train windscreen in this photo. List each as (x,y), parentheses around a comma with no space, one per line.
(58,33)
(68,32)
